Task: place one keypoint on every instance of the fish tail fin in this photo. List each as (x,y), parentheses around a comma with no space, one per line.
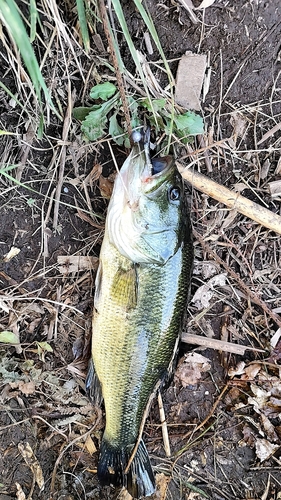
(139,481)
(140,477)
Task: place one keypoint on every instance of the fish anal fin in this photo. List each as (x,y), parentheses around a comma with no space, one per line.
(125,286)
(93,386)
(139,481)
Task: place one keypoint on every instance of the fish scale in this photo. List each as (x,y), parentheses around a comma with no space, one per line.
(141,294)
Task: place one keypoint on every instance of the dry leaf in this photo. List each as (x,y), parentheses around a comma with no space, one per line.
(189,372)
(260,399)
(275,188)
(94,175)
(269,429)
(239,124)
(76,263)
(251,371)
(25,387)
(264,449)
(249,437)
(205,293)
(32,462)
(106,186)
(236,370)
(278,168)
(4,306)
(275,338)
(20,492)
(90,445)
(162,482)
(11,254)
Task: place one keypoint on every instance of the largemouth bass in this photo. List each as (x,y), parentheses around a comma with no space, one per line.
(142,286)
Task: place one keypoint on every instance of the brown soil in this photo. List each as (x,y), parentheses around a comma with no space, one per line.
(42,396)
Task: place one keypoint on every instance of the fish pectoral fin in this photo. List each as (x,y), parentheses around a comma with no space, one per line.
(98,283)
(125,288)
(93,386)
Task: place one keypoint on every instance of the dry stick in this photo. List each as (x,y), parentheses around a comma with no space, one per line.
(76,440)
(252,295)
(164,426)
(106,27)
(65,130)
(210,414)
(221,345)
(231,199)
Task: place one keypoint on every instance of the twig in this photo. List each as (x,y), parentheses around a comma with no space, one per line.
(66,126)
(76,440)
(231,199)
(252,295)
(217,344)
(210,414)
(107,31)
(164,426)
(270,132)
(187,4)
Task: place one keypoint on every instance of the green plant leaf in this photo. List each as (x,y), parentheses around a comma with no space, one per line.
(154,105)
(115,130)
(94,125)
(83,24)
(103,91)
(33,19)
(190,123)
(45,346)
(80,113)
(7,337)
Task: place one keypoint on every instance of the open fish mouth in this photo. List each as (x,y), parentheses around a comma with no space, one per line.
(155,165)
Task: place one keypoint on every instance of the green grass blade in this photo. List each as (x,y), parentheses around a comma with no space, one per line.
(83,24)
(120,15)
(11,94)
(151,28)
(33,19)
(11,18)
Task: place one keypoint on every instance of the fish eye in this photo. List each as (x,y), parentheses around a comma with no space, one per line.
(174,193)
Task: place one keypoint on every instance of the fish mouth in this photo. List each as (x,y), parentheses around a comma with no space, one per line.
(155,167)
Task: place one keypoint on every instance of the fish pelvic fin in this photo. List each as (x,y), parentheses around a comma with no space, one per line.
(139,481)
(93,386)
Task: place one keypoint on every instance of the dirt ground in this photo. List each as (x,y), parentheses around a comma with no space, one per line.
(222,410)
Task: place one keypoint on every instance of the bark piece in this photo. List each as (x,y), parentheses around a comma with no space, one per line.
(275,189)
(189,80)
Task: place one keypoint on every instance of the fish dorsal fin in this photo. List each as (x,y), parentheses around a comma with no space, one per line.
(125,288)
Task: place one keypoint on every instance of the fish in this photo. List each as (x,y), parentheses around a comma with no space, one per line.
(141,291)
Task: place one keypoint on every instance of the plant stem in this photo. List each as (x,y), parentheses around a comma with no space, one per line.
(119,78)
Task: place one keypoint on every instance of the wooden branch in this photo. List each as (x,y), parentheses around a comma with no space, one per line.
(231,199)
(220,345)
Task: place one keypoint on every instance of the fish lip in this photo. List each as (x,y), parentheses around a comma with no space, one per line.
(147,178)
(143,138)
